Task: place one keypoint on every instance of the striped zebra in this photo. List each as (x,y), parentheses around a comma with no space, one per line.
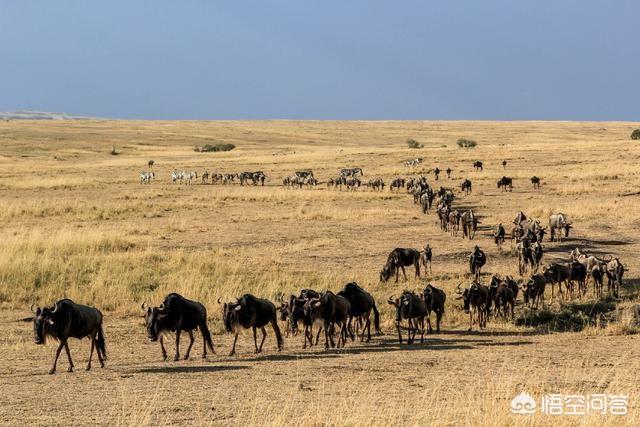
(146,177)
(413,162)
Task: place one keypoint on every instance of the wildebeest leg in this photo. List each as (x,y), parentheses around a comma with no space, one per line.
(422,330)
(255,340)
(326,336)
(470,319)
(55,361)
(438,318)
(412,331)
(164,352)
(429,328)
(264,336)
(399,332)
(233,347)
(66,348)
(416,264)
(404,273)
(93,342)
(177,356)
(350,328)
(318,334)
(186,356)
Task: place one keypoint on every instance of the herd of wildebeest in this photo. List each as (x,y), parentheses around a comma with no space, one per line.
(348,313)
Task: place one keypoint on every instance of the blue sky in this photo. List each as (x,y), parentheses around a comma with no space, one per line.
(304,59)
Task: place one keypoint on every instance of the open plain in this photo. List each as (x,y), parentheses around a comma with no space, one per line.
(76,222)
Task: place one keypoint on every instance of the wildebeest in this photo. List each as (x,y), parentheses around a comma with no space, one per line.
(292,312)
(425,256)
(498,236)
(557,223)
(361,305)
(477,165)
(477,260)
(506,183)
(525,256)
(614,271)
(476,303)
(304,173)
(535,181)
(65,320)
(352,183)
(436,172)
(434,299)
(466,187)
(376,184)
(454,222)
(249,311)
(536,253)
(533,290)
(332,310)
(503,298)
(567,273)
(413,162)
(504,164)
(470,223)
(150,163)
(426,200)
(413,309)
(397,184)
(351,172)
(177,314)
(449,173)
(399,258)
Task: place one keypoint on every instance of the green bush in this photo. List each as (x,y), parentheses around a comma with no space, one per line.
(635,134)
(571,317)
(212,148)
(412,143)
(466,143)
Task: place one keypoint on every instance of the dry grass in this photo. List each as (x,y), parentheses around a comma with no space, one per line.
(75,222)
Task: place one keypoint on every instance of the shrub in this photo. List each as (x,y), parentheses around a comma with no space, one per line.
(114,152)
(570,318)
(466,143)
(412,143)
(635,134)
(209,148)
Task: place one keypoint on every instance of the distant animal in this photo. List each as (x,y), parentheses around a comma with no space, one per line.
(150,163)
(506,183)
(247,312)
(178,314)
(436,172)
(558,223)
(352,183)
(477,165)
(205,177)
(434,299)
(477,260)
(470,223)
(412,308)
(397,184)
(504,164)
(146,177)
(351,172)
(614,271)
(65,320)
(449,173)
(399,258)
(304,173)
(498,236)
(425,257)
(535,182)
(476,303)
(466,187)
(413,162)
(533,290)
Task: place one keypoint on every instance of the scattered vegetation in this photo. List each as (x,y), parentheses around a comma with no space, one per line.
(635,134)
(466,143)
(570,318)
(208,148)
(412,143)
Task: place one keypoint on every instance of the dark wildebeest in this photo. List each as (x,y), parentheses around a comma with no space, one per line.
(466,187)
(505,301)
(352,183)
(426,200)
(535,181)
(425,256)
(596,275)
(469,224)
(498,236)
(533,290)
(399,258)
(506,183)
(567,273)
(476,303)
(150,163)
(525,256)
(332,310)
(251,312)
(449,173)
(557,223)
(508,281)
(292,312)
(361,305)
(477,260)
(436,172)
(477,165)
(413,309)
(397,184)
(65,320)
(504,164)
(536,253)
(434,299)
(177,314)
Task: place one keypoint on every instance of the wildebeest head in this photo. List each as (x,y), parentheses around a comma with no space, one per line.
(152,320)
(43,322)
(567,227)
(464,296)
(385,273)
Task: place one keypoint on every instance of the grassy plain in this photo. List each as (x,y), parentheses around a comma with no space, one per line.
(76,222)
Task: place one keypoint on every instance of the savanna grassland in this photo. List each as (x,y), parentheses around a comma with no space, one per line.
(75,222)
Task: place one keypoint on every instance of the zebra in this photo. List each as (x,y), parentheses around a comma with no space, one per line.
(351,172)
(188,176)
(146,177)
(413,162)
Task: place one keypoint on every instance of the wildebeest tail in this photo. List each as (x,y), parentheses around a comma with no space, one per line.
(376,319)
(100,343)
(206,336)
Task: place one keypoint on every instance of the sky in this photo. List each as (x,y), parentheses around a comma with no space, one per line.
(308,59)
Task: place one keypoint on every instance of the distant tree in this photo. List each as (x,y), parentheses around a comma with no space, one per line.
(412,143)
(208,148)
(466,143)
(635,134)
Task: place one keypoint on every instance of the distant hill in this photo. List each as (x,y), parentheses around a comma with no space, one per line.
(39,115)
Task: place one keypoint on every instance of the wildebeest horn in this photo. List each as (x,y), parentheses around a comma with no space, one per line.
(391,300)
(458,290)
(143,306)
(219,300)
(428,290)
(55,308)
(31,308)
(161,306)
